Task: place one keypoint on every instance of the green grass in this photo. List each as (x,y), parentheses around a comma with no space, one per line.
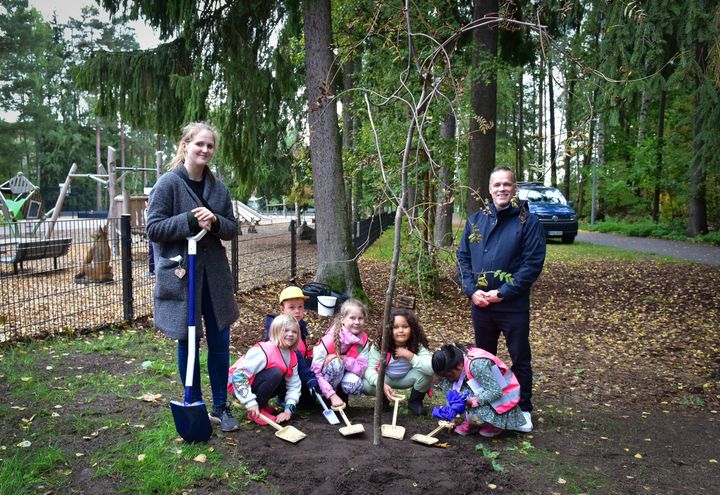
(382,250)
(25,469)
(59,398)
(160,465)
(557,469)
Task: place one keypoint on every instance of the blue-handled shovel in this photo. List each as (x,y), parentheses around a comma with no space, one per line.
(191,419)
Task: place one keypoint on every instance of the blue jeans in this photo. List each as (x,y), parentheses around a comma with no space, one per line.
(515,327)
(218,360)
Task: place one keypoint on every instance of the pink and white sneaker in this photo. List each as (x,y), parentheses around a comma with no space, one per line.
(466,428)
(487,430)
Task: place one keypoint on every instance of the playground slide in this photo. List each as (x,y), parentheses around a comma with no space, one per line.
(246,214)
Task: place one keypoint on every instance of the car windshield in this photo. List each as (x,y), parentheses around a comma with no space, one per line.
(547,195)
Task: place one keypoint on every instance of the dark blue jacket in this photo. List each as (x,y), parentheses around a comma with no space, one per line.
(506,241)
(307,377)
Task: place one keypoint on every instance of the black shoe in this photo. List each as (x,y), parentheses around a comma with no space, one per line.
(415,403)
(223,417)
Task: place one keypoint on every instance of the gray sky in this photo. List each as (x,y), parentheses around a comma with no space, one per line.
(71,8)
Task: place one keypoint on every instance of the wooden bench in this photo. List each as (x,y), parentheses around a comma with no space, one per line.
(35,249)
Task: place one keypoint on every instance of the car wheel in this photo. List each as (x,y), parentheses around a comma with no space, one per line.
(568,239)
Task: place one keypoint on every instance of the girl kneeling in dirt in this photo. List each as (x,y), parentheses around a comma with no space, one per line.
(341,356)
(479,387)
(256,377)
(408,363)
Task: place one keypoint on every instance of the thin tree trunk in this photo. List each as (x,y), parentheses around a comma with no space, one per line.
(551,117)
(521,131)
(568,131)
(336,264)
(483,100)
(659,156)
(347,133)
(445,204)
(541,120)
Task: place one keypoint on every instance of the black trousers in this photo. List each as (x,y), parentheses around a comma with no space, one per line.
(488,326)
(266,385)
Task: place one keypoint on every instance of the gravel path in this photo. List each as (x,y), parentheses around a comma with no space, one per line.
(691,251)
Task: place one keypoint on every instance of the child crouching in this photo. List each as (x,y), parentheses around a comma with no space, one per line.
(256,377)
(479,387)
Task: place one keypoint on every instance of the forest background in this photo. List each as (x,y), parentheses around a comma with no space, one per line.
(616,100)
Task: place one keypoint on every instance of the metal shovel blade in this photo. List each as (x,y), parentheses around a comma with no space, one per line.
(191,421)
(429,439)
(393,431)
(330,416)
(287,433)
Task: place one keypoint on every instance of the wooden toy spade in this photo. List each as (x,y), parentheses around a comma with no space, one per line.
(429,439)
(350,429)
(393,431)
(287,433)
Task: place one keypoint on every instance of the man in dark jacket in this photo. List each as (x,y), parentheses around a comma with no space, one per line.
(501,254)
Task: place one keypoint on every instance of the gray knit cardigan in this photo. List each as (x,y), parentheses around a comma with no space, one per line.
(167,226)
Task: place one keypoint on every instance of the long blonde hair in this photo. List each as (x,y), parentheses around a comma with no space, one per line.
(188,134)
(346,307)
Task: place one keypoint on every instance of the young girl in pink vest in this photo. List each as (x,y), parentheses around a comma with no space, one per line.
(341,356)
(408,362)
(256,377)
(481,388)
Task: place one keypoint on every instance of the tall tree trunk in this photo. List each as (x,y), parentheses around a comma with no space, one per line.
(570,84)
(336,264)
(551,117)
(697,217)
(587,161)
(445,204)
(521,131)
(541,120)
(659,156)
(483,100)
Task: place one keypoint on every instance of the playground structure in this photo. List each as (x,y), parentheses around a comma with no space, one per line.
(27,202)
(31,229)
(109,179)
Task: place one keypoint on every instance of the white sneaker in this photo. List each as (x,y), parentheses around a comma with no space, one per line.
(528,426)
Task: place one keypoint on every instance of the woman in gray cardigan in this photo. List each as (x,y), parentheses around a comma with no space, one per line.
(184,200)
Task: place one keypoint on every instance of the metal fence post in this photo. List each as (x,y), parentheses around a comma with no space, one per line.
(234,258)
(126,263)
(293,252)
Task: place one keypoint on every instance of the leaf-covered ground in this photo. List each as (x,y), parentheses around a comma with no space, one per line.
(626,357)
(626,397)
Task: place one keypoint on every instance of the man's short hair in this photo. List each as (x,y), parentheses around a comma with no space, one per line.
(504,169)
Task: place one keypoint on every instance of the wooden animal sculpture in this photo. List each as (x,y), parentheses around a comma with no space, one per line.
(97,260)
